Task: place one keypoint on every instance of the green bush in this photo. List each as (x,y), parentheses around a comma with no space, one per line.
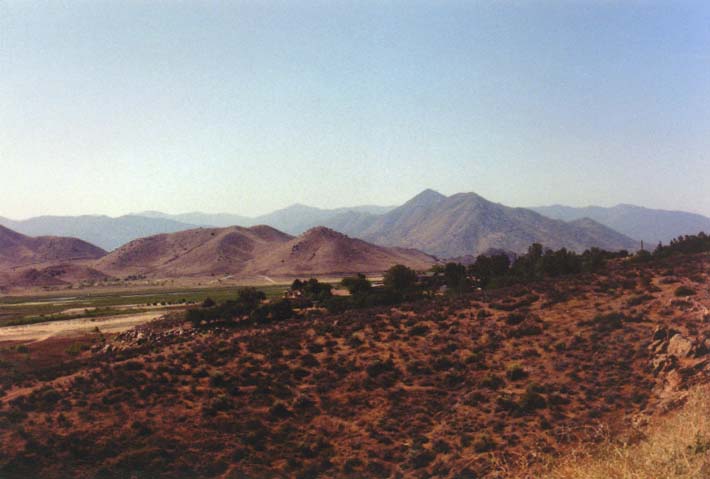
(491,381)
(76,348)
(532,399)
(684,291)
(484,443)
(281,310)
(516,372)
(379,367)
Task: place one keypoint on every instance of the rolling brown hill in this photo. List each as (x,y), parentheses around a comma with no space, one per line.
(62,274)
(195,252)
(18,250)
(321,250)
(468,224)
(259,250)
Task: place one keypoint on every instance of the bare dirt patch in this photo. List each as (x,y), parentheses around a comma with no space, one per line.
(76,327)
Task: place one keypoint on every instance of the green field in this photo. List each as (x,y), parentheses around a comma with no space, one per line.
(16,310)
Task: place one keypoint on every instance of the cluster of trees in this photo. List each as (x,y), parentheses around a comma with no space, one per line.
(485,268)
(540,263)
(454,276)
(489,271)
(357,285)
(690,244)
(686,244)
(273,311)
(399,284)
(248,305)
(312,289)
(400,279)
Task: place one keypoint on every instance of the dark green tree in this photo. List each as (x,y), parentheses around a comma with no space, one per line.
(250,298)
(357,285)
(486,268)
(593,260)
(455,277)
(281,310)
(315,290)
(400,278)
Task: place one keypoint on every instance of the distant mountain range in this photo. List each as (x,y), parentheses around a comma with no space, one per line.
(640,223)
(460,225)
(197,218)
(468,224)
(104,231)
(294,219)
(109,233)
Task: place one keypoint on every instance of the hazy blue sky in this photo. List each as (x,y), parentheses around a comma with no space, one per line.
(111,107)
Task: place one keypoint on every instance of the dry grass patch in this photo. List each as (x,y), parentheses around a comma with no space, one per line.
(678,447)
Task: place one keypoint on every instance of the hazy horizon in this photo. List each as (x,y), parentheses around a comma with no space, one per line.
(248,107)
(328,207)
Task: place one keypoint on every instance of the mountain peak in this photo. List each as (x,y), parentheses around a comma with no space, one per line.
(429,193)
(426,197)
(298,207)
(469,196)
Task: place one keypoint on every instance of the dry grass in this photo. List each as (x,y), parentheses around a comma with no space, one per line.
(677,447)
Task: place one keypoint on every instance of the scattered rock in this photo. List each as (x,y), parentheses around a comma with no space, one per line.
(663,363)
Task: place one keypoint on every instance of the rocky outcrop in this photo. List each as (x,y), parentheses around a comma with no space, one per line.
(677,361)
(670,342)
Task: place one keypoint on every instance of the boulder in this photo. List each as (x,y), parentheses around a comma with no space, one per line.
(680,346)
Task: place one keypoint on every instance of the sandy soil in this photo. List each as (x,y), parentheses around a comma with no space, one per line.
(160,285)
(75,327)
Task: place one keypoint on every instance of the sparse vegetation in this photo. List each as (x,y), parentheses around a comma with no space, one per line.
(442,385)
